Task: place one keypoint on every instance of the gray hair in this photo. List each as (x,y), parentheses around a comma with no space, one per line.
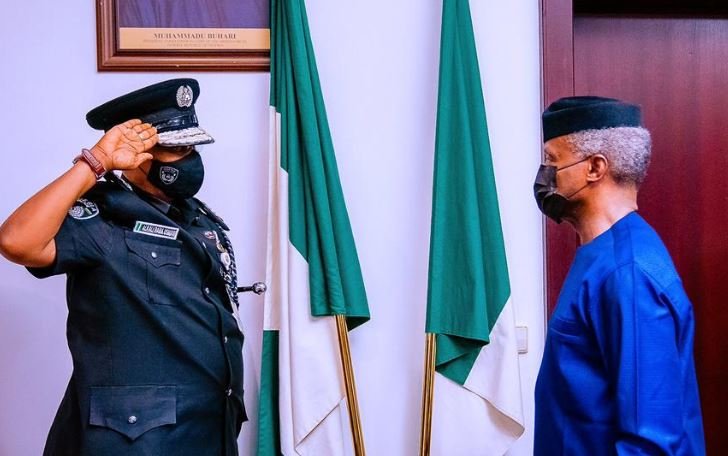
(627,149)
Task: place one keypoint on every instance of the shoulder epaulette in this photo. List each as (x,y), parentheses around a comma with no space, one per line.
(215,218)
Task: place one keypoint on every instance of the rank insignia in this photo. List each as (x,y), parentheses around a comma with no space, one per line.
(226,260)
(83,209)
(221,248)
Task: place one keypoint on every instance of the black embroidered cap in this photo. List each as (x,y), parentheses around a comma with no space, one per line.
(573,114)
(169,106)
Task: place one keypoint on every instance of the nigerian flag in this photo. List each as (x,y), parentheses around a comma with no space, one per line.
(477,401)
(313,271)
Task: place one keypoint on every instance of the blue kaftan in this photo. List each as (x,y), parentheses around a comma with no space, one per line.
(618,375)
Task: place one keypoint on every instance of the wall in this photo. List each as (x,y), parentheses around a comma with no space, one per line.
(378,67)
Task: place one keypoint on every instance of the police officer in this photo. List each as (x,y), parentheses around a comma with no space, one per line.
(152,323)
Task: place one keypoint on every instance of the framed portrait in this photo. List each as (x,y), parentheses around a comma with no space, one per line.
(183,35)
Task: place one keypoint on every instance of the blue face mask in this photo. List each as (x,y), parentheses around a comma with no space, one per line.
(180,179)
(551,203)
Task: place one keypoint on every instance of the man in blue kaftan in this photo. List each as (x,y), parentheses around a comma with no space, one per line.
(618,374)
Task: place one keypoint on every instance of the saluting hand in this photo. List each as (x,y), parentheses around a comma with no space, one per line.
(125,146)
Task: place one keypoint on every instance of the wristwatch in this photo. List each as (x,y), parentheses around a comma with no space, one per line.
(96,166)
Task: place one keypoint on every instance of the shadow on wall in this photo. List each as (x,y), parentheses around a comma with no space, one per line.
(34,358)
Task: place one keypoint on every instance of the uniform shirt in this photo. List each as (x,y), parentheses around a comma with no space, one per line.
(156,348)
(618,375)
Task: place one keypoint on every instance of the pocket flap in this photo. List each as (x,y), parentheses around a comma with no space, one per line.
(133,410)
(156,254)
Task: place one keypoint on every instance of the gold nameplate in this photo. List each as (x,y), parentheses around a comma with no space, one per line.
(181,39)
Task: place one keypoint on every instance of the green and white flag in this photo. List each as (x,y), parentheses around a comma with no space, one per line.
(477,402)
(313,271)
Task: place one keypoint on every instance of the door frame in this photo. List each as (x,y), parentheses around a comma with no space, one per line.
(557,60)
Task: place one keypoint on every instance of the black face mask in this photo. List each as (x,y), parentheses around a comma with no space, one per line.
(550,202)
(180,179)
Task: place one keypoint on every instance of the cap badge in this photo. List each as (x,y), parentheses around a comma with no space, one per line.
(168,174)
(184,96)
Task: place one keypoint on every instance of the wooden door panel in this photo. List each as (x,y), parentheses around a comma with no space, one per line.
(560,241)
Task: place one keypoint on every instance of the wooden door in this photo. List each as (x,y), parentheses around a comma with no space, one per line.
(673,61)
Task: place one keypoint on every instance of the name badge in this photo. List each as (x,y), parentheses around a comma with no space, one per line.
(152,229)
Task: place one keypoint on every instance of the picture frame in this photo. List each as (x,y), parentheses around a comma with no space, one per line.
(183,35)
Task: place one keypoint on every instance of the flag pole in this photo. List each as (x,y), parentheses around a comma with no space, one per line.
(351,398)
(428,387)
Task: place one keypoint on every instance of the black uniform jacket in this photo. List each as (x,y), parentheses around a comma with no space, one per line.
(157,351)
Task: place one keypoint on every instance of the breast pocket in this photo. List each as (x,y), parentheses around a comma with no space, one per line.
(568,331)
(154,267)
(126,417)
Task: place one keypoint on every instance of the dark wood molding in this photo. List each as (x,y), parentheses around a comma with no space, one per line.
(557,43)
(653,8)
(557,29)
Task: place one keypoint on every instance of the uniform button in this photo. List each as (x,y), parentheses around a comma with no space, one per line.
(154,254)
(228,392)
(132,419)
(224,340)
(207,290)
